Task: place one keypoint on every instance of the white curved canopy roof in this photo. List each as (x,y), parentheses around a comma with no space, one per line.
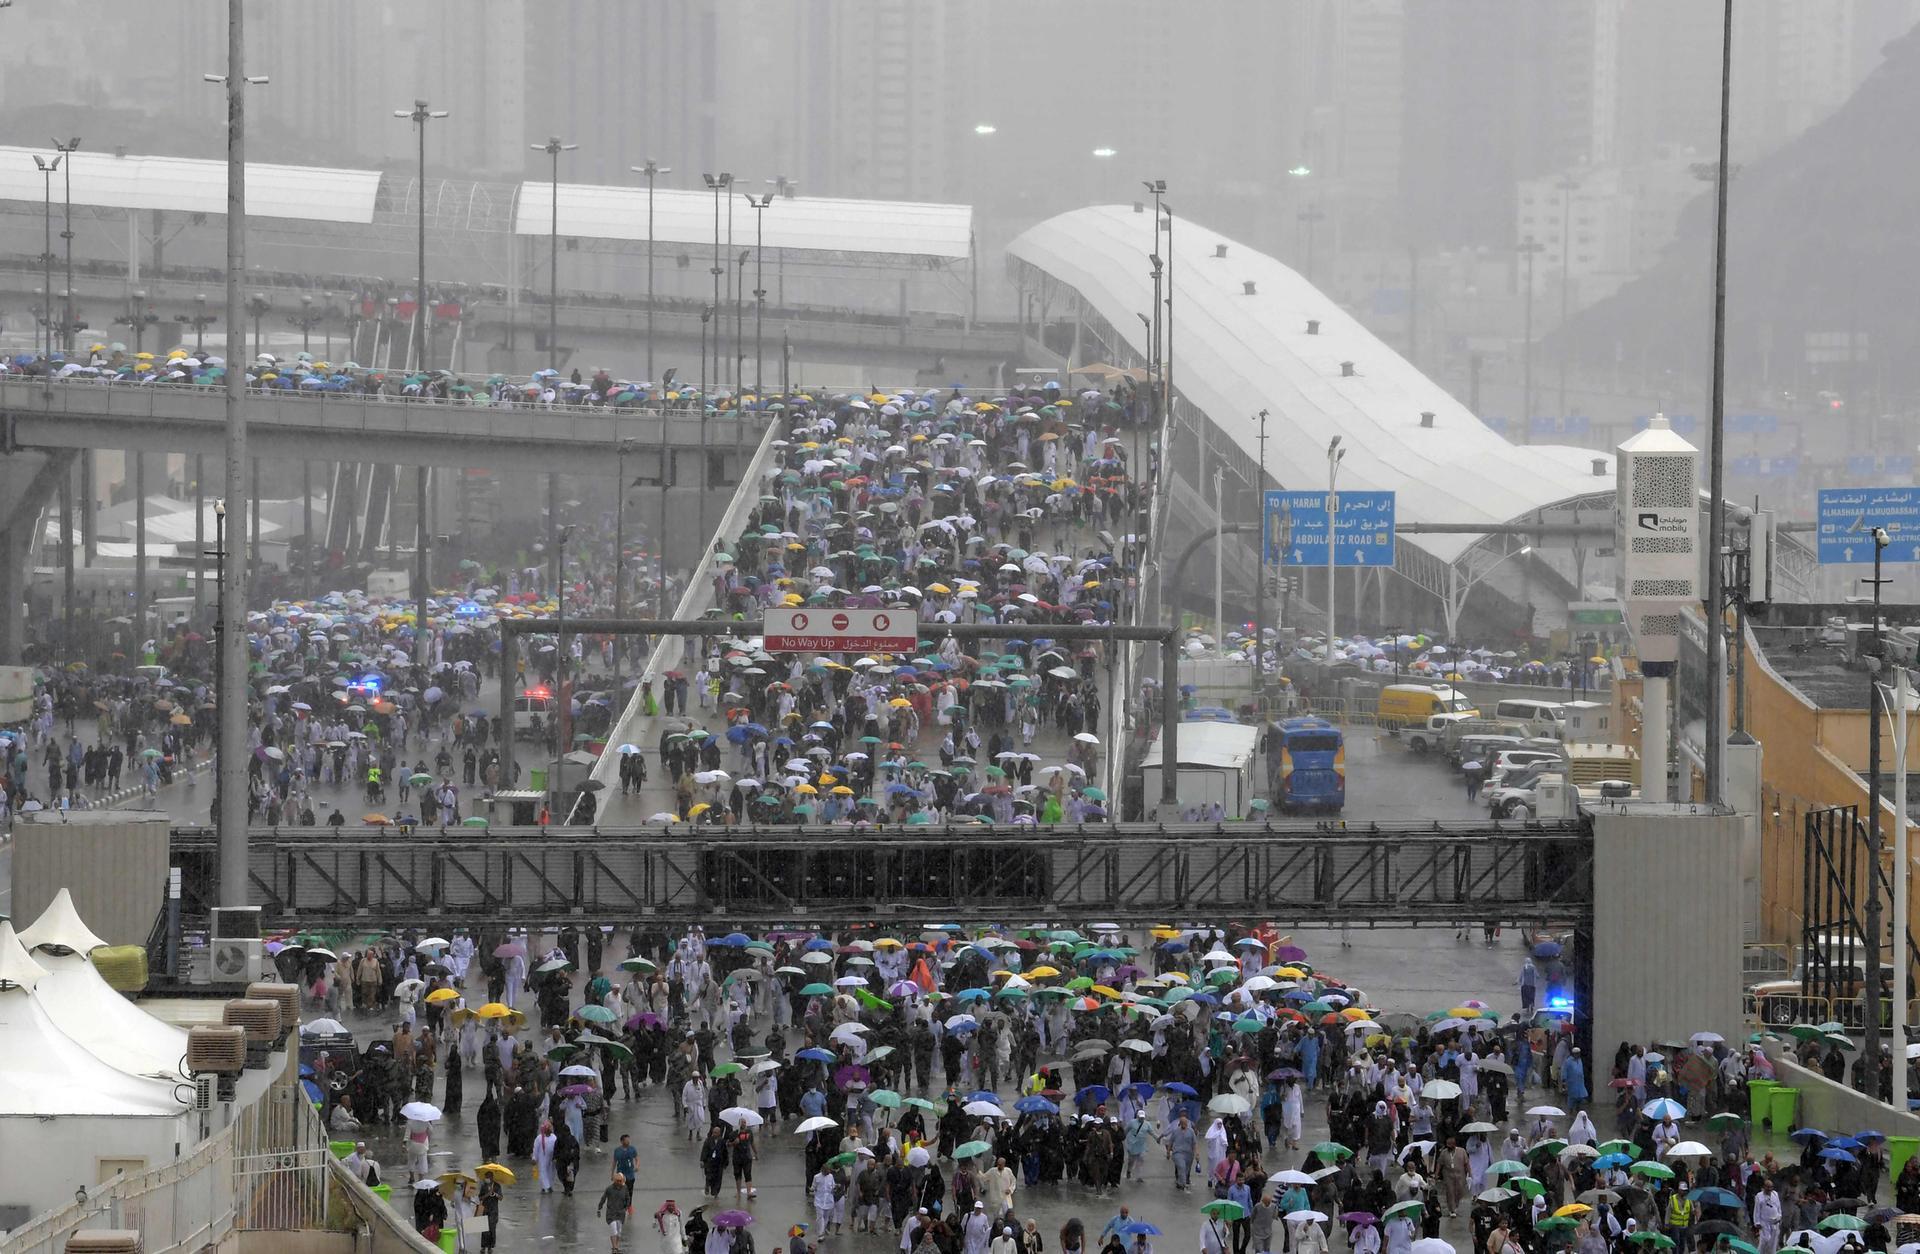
(1235,354)
(48,1073)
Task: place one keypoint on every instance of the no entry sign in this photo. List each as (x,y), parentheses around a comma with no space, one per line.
(826,630)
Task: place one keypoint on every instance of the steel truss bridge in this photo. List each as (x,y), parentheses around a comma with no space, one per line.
(1294,873)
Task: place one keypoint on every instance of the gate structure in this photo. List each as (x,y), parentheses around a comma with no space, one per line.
(1838,872)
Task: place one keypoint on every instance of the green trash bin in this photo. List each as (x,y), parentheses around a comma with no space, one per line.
(1759,1104)
(449,1240)
(384,1192)
(1782,1102)
(1899,1150)
(340,1148)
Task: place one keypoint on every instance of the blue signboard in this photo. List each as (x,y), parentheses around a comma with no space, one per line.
(1848,517)
(1365,531)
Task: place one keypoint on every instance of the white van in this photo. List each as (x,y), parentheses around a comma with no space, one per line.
(1543,718)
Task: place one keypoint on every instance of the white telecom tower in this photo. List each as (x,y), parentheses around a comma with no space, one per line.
(1657,552)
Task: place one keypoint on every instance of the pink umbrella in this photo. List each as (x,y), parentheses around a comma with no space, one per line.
(512,949)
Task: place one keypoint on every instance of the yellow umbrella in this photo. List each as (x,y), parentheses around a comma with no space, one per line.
(900,703)
(440,995)
(1290,973)
(1353,1014)
(807,790)
(940,588)
(698,810)
(888,942)
(1571,1209)
(1165,933)
(451,1179)
(1178,977)
(495,1172)
(1043,973)
(841,790)
(1104,991)
(493,1010)
(181,720)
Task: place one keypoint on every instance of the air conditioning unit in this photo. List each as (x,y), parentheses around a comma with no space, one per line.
(103,1241)
(288,997)
(261,1019)
(216,1049)
(236,922)
(235,961)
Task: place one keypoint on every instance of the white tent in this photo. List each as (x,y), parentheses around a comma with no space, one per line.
(86,1008)
(62,1110)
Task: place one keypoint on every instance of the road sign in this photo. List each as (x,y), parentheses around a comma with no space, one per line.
(818,629)
(1848,517)
(1366,528)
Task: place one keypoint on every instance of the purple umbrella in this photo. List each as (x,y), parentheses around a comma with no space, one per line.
(732,1219)
(851,1074)
(1358,1218)
(512,949)
(646,1019)
(1289,953)
(1285,1073)
(576,1090)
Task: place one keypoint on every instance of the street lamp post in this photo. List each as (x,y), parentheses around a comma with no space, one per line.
(1528,248)
(733,294)
(620,557)
(1260,567)
(1566,186)
(700,480)
(652,169)
(1869,1069)
(716,183)
(420,115)
(307,319)
(563,705)
(67,150)
(553,148)
(47,169)
(759,286)
(257,305)
(1900,705)
(1335,455)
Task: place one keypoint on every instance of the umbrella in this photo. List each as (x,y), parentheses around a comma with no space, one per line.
(972,1149)
(1233,1104)
(1664,1108)
(420,1112)
(732,1219)
(816,1123)
(740,1117)
(1224,1209)
(1440,1090)
(1688,1149)
(495,1172)
(1403,1208)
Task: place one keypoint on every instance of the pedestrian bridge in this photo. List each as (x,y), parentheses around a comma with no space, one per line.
(329,427)
(1295,874)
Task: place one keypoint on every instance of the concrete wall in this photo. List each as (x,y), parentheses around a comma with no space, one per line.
(1835,1107)
(387,1230)
(114,861)
(1667,921)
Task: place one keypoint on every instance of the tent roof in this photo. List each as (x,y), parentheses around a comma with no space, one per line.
(193,185)
(80,1002)
(50,1074)
(60,924)
(803,223)
(1236,354)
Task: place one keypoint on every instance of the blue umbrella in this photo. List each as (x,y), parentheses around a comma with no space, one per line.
(733,940)
(1184,1090)
(1664,1108)
(1547,949)
(1297,994)
(1838,1155)
(1607,1162)
(984,1096)
(1137,1228)
(1094,1093)
(818,943)
(1803,1135)
(815,1054)
(1715,1197)
(971,994)
(1844,1142)
(1036,1105)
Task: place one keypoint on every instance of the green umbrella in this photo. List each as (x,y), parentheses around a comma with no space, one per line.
(921,1103)
(420,778)
(475,821)
(871,1001)
(1333,1151)
(886,1098)
(1735,1243)
(1402,1208)
(1725,1119)
(636,964)
(1507,1166)
(722,1070)
(1834,1223)
(1221,1208)
(1527,1185)
(1659,1171)
(1658,1240)
(595,1014)
(973,1149)
(1619,1147)
(817,989)
(847,1159)
(1558,1223)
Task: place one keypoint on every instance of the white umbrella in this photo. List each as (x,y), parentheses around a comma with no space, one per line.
(1305,1217)
(333,1027)
(1440,1090)
(420,1112)
(917,1156)
(1229,1104)
(1423,1147)
(987,1109)
(1292,1176)
(576,1069)
(818,1123)
(763,1066)
(740,1117)
(1687,1149)
(1551,1111)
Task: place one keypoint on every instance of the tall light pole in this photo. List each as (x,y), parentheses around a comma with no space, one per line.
(563,706)
(1869,1067)
(553,148)
(1527,248)
(1566,186)
(47,169)
(420,115)
(759,285)
(1900,704)
(1260,567)
(1157,188)
(1335,455)
(1716,730)
(733,293)
(231,740)
(652,170)
(717,184)
(67,150)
